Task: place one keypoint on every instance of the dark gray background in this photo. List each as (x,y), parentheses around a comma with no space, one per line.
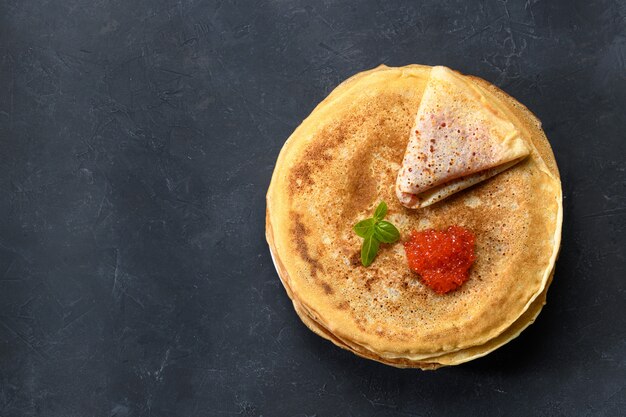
(137,141)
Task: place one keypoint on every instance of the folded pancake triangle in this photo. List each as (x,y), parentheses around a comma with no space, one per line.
(459,139)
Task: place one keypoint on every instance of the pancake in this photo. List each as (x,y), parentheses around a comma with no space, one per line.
(459,139)
(454,358)
(333,171)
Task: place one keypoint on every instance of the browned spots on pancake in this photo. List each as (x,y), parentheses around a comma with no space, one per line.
(300,176)
(361,185)
(299,233)
(316,155)
(343,305)
(386,140)
(355,258)
(402,336)
(389,130)
(359,323)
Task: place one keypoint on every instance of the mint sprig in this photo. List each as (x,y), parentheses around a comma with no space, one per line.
(375,231)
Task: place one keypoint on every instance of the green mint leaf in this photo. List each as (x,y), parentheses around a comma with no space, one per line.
(386,232)
(365,228)
(374,231)
(369,250)
(381,211)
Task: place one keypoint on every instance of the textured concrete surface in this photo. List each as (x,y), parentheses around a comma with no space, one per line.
(138,139)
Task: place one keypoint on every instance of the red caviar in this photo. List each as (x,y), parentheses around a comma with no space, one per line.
(441,258)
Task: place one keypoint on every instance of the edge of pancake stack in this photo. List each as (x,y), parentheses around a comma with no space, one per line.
(345,158)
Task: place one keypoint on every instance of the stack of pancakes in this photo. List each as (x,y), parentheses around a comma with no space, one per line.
(341,162)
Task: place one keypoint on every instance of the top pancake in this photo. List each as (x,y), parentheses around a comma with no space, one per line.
(343,160)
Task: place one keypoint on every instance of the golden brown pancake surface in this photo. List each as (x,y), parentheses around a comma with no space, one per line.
(342,161)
